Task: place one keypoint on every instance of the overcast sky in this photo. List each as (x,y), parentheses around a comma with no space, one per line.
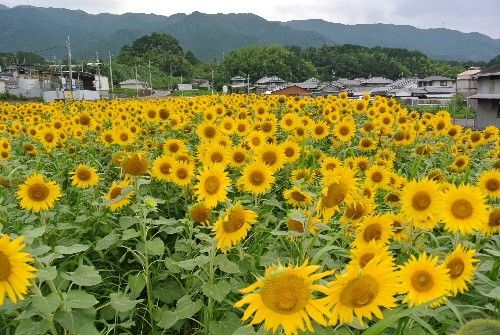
(465,15)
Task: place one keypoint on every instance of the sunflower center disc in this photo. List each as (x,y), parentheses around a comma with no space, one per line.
(182,173)
(363,260)
(359,292)
(297,196)
(165,168)
(377,177)
(494,219)
(492,185)
(238,157)
(115,192)
(217,157)
(269,158)
(257,178)
(5,268)
(461,209)
(285,293)
(355,211)
(422,281)
(421,201)
(235,221)
(212,185)
(84,174)
(372,232)
(335,195)
(456,267)
(38,192)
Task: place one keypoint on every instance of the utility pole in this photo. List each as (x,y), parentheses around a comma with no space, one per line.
(136,81)
(150,80)
(111,74)
(68,46)
(98,72)
(248,83)
(171,78)
(212,82)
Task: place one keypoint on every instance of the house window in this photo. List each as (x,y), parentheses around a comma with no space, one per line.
(443,83)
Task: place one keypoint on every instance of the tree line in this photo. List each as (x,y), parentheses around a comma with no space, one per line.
(161,55)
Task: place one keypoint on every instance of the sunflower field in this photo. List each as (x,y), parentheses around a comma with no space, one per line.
(246,214)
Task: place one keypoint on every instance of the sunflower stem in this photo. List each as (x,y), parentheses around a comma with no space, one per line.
(147,273)
(210,302)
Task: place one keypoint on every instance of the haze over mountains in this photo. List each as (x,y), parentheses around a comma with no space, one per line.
(209,36)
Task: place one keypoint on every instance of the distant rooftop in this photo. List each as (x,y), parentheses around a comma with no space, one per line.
(132,81)
(435,78)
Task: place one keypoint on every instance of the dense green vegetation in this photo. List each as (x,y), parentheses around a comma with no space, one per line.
(210,36)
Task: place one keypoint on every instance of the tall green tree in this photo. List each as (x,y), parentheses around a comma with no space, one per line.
(164,52)
(260,61)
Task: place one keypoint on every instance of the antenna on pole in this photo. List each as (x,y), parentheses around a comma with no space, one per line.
(111,74)
(150,80)
(98,72)
(68,46)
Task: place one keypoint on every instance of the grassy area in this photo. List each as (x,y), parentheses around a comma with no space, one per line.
(192,93)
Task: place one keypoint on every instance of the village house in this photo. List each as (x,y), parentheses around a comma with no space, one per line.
(292,90)
(467,81)
(436,81)
(238,81)
(133,84)
(488,97)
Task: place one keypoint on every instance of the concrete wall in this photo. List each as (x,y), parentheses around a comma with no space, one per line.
(488,85)
(49,96)
(487,113)
(2,87)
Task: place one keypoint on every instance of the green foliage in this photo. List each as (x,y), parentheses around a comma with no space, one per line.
(260,61)
(480,327)
(162,50)
(351,61)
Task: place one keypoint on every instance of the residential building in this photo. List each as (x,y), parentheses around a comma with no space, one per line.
(488,97)
(238,81)
(293,90)
(467,81)
(436,81)
(133,84)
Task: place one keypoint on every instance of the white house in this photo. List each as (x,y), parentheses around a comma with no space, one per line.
(133,84)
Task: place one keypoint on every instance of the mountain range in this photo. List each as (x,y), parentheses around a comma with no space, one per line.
(210,36)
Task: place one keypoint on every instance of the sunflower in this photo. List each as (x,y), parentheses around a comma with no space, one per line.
(216,154)
(15,272)
(363,253)
(238,156)
(420,200)
(233,226)
(119,195)
(291,150)
(302,175)
(345,130)
(377,177)
(207,131)
(162,168)
(135,164)
(356,210)
(328,164)
(460,264)
(174,146)
(257,178)
(182,173)
(36,194)
(423,279)
(284,297)
(320,130)
(212,185)
(376,228)
(297,197)
(361,292)
(367,144)
(84,176)
(299,221)
(489,182)
(339,186)
(463,209)
(200,213)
